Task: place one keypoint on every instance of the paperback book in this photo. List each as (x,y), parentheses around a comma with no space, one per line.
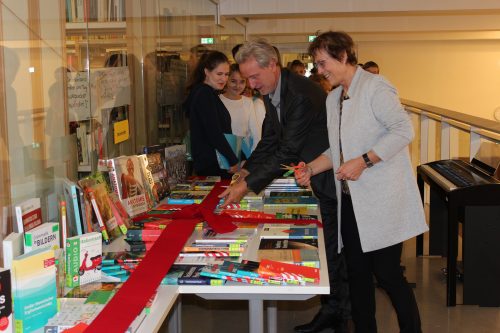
(46,235)
(289,231)
(175,162)
(126,182)
(6,319)
(28,214)
(71,197)
(34,289)
(13,246)
(235,144)
(83,259)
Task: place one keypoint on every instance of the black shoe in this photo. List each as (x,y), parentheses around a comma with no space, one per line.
(320,322)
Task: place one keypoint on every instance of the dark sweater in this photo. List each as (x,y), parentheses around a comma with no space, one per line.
(208,121)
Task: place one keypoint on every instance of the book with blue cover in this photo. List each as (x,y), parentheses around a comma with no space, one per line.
(34,289)
(235,143)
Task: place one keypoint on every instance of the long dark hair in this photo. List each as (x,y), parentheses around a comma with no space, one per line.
(209,61)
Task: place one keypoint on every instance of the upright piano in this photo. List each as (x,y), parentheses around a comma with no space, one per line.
(468,193)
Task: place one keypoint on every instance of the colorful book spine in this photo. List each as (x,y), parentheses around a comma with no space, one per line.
(83,259)
(288,271)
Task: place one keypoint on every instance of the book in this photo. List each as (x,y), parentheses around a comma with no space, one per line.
(288,271)
(292,200)
(175,163)
(34,289)
(139,246)
(13,246)
(83,259)
(289,231)
(293,256)
(156,164)
(71,197)
(138,234)
(83,291)
(111,258)
(149,183)
(126,182)
(103,209)
(284,243)
(234,142)
(6,319)
(46,235)
(191,274)
(288,194)
(239,235)
(28,214)
(186,198)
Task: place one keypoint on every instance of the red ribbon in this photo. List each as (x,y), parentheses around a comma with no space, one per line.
(133,296)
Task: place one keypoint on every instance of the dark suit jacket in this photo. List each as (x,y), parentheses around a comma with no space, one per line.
(300,136)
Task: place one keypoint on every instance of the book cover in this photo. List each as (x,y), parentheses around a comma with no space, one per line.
(46,235)
(288,194)
(235,144)
(13,246)
(175,163)
(186,198)
(290,232)
(192,275)
(160,175)
(6,319)
(73,214)
(104,209)
(83,259)
(147,235)
(28,214)
(34,289)
(139,246)
(292,200)
(293,256)
(149,183)
(126,181)
(239,235)
(283,243)
(288,271)
(248,268)
(85,290)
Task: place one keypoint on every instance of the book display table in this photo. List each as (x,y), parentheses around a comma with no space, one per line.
(169,300)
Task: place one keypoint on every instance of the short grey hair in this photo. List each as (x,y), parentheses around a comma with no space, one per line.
(260,50)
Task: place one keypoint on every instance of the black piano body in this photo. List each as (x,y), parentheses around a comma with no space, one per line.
(467,193)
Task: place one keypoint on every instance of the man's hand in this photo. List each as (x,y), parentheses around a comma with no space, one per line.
(234,193)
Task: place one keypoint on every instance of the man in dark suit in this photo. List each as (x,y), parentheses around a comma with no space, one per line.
(294,130)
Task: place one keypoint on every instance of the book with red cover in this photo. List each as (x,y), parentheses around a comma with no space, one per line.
(28,214)
(288,271)
(147,235)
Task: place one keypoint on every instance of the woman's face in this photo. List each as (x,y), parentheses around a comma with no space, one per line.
(217,77)
(236,84)
(333,70)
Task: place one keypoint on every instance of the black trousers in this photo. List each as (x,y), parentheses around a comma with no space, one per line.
(337,302)
(385,265)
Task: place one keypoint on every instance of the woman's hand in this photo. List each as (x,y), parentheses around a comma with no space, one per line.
(351,170)
(234,168)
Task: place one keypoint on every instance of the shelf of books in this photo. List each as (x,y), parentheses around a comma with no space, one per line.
(112,218)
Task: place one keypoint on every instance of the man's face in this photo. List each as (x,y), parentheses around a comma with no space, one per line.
(264,79)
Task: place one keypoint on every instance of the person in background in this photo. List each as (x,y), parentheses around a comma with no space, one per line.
(298,67)
(372,67)
(379,203)
(241,108)
(294,129)
(320,79)
(209,119)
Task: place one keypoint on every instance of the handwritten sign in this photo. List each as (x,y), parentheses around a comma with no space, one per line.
(109,87)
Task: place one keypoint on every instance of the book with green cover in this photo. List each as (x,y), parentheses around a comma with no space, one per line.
(34,289)
(83,259)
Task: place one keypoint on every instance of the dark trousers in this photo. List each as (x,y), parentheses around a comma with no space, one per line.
(337,302)
(385,265)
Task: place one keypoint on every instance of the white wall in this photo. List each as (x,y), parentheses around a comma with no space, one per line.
(461,75)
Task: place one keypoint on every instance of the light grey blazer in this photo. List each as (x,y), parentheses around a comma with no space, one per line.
(385,198)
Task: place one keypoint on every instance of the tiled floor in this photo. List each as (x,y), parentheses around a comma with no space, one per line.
(199,315)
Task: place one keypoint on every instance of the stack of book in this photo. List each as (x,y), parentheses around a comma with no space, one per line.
(289,243)
(266,272)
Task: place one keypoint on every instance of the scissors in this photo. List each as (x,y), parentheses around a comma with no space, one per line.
(292,168)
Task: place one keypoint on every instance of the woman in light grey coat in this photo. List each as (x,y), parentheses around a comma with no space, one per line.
(378,201)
